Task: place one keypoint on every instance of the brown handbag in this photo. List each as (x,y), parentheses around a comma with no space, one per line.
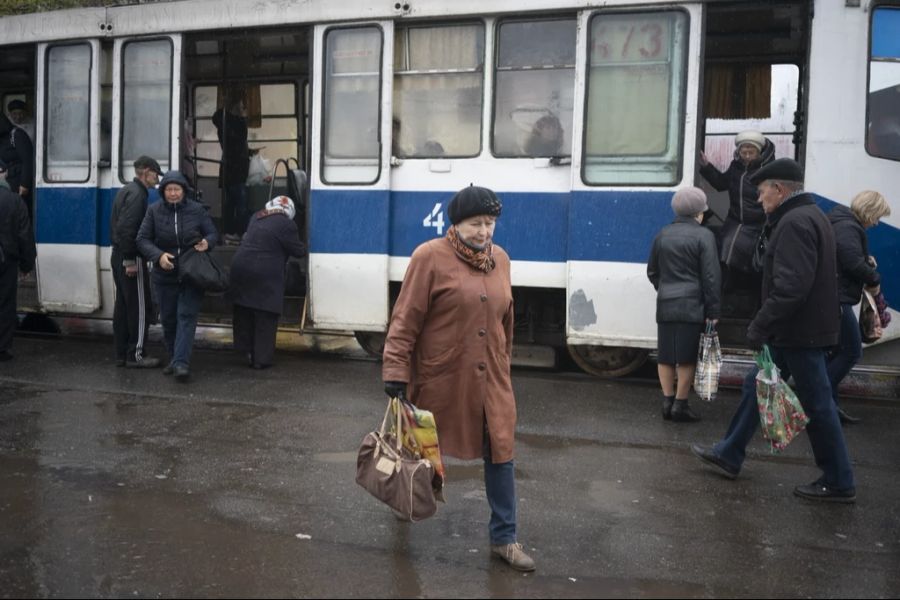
(399,478)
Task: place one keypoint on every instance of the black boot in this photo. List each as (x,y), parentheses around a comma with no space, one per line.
(845,418)
(682,413)
(667,407)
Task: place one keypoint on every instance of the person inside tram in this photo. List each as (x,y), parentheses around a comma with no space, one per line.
(856,270)
(170,228)
(17,152)
(18,114)
(744,223)
(17,257)
(546,137)
(683,257)
(448,350)
(256,287)
(231,129)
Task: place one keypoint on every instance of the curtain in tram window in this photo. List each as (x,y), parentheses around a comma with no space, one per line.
(734,91)
(632,111)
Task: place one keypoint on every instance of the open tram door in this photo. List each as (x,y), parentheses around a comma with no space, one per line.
(349,197)
(68,230)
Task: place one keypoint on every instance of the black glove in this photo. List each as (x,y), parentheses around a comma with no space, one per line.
(755,341)
(396,389)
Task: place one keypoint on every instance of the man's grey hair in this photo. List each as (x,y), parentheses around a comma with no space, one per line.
(791,186)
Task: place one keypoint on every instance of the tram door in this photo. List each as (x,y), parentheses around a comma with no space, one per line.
(349,182)
(67,199)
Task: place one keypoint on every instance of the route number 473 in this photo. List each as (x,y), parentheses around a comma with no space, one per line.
(435,219)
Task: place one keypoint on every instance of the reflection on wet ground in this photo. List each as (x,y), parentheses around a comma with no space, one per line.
(119,483)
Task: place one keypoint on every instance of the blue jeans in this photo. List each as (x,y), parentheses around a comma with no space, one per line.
(178,308)
(814,392)
(500,487)
(848,352)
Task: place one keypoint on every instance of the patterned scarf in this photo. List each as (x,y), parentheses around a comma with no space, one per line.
(483,259)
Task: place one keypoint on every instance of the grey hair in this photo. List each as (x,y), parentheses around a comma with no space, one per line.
(791,186)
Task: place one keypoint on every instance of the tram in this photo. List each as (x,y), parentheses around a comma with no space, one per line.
(584,116)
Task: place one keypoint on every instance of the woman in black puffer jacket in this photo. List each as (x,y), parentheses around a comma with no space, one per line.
(170,227)
(745,220)
(856,269)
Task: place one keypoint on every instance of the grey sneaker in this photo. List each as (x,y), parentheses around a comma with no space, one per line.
(515,556)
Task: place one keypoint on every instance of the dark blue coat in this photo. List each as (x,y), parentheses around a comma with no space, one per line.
(257,270)
(854,271)
(173,228)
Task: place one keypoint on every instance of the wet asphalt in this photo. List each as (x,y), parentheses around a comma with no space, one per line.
(123,483)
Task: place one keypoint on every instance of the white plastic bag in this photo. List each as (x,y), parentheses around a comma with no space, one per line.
(260,170)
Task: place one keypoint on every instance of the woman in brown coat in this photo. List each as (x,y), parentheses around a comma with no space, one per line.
(449,346)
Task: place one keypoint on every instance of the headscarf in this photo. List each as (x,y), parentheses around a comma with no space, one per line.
(282,203)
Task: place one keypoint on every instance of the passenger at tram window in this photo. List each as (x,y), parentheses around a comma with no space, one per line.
(432,149)
(546,138)
(231,128)
(398,148)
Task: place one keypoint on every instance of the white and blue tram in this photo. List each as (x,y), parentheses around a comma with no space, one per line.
(584,116)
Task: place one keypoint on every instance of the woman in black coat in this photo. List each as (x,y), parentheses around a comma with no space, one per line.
(257,279)
(169,228)
(684,269)
(856,269)
(745,220)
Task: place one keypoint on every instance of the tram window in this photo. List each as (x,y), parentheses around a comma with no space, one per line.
(68,102)
(351,102)
(146,103)
(535,88)
(883,121)
(635,98)
(438,82)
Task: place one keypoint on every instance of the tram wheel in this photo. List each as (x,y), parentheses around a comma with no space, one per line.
(371,341)
(608,361)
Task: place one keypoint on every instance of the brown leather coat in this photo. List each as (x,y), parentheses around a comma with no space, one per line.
(451,339)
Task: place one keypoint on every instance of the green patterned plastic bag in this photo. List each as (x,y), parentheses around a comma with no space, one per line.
(780,414)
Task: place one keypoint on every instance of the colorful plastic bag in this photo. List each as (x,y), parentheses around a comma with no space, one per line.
(425,440)
(709,363)
(780,414)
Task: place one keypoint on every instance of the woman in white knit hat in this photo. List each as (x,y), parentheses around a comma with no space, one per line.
(745,220)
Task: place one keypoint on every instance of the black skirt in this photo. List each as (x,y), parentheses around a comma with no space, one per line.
(678,343)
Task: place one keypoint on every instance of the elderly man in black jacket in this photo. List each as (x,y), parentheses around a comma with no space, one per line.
(17,254)
(800,319)
(129,269)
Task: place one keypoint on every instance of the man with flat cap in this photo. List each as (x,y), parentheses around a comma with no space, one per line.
(132,308)
(799,319)
(17,255)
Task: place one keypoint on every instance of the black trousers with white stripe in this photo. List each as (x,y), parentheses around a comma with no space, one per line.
(131,315)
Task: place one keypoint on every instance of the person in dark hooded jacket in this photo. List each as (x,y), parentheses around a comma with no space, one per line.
(856,269)
(170,228)
(745,220)
(17,151)
(257,279)
(231,129)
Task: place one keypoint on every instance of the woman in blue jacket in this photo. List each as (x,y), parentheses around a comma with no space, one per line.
(171,227)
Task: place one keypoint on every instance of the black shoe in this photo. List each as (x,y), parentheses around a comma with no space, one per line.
(5,356)
(148,362)
(668,401)
(822,493)
(260,366)
(120,362)
(845,418)
(181,373)
(682,413)
(709,457)
(170,369)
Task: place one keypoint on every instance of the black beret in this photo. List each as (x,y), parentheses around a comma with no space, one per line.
(473,201)
(15,105)
(783,169)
